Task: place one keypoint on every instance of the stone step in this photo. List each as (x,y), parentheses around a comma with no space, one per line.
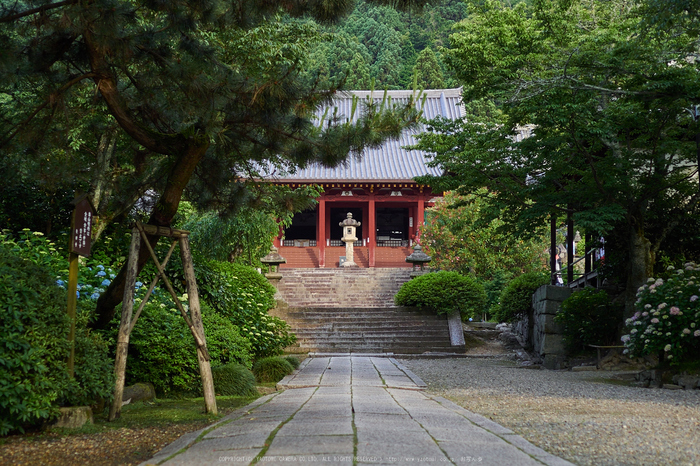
(341,287)
(352,310)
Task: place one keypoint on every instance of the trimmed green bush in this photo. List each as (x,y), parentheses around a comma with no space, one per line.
(34,326)
(516,298)
(294,361)
(271,369)
(589,318)
(444,292)
(244,296)
(233,380)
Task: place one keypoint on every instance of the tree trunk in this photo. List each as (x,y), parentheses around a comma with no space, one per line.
(162,215)
(639,268)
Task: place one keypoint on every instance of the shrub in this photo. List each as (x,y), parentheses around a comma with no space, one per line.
(162,349)
(294,361)
(444,292)
(516,298)
(271,369)
(244,296)
(34,326)
(589,318)
(233,380)
(667,317)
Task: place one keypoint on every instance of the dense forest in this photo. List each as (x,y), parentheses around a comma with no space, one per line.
(390,47)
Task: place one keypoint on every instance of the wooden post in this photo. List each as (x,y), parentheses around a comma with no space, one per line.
(569,246)
(553,249)
(124,327)
(72,305)
(588,262)
(196,317)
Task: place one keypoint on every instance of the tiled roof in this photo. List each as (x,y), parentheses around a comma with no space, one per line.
(390,162)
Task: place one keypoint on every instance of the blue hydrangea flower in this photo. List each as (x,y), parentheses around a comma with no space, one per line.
(94,296)
(138,285)
(61,283)
(101,267)
(111,275)
(105,282)
(79,287)
(77,294)
(101,273)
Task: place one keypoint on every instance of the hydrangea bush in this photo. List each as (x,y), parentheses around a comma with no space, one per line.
(667,317)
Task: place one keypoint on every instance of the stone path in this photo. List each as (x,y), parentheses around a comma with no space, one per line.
(353,410)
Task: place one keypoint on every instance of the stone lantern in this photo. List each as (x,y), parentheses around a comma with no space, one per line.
(273,261)
(349,228)
(418,257)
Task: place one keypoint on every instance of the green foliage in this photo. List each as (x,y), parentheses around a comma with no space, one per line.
(464,234)
(246,237)
(377,44)
(516,297)
(233,380)
(427,71)
(589,318)
(34,326)
(444,292)
(293,360)
(162,349)
(244,296)
(667,320)
(574,83)
(271,369)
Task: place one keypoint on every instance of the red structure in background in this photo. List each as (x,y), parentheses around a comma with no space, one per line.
(393,211)
(378,188)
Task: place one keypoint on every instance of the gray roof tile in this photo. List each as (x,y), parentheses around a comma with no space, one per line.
(391,161)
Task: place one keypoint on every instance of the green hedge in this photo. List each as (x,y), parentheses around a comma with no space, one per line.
(233,380)
(34,326)
(271,369)
(243,295)
(162,349)
(444,292)
(516,298)
(589,318)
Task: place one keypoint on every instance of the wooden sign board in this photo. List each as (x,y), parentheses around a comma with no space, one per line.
(81,227)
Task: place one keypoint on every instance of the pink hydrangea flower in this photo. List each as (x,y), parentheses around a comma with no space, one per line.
(693,298)
(674,311)
(686,331)
(654,320)
(697,333)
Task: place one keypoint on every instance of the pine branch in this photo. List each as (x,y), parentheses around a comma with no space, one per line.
(41,9)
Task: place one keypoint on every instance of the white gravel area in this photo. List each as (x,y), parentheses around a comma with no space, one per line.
(588,418)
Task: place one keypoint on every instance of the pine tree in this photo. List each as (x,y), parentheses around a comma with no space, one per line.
(427,71)
(202,87)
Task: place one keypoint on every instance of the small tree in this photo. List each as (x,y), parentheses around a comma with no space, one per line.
(444,292)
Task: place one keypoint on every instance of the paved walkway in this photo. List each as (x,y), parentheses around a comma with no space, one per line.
(353,410)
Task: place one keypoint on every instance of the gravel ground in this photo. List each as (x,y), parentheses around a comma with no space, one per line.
(588,418)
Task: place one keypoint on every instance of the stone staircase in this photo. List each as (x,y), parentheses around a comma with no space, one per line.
(352,310)
(341,287)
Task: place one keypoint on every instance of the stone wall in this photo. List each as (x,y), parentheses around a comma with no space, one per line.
(539,332)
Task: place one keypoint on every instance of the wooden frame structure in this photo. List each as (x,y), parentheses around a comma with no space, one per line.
(193,320)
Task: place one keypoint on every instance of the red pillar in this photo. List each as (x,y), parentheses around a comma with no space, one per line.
(420,214)
(321,232)
(372,230)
